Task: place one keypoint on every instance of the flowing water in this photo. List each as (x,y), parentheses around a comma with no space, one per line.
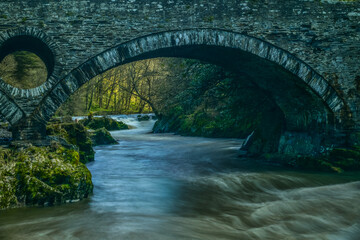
(163,186)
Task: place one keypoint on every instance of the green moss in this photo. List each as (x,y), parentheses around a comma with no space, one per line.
(42,176)
(24,19)
(316,164)
(102,137)
(75,134)
(343,153)
(347,159)
(103,122)
(41,24)
(336,160)
(209,19)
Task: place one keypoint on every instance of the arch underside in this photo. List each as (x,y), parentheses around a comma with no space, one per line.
(292,83)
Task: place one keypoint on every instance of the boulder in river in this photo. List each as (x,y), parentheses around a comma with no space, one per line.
(103,122)
(143,118)
(42,176)
(75,134)
(102,137)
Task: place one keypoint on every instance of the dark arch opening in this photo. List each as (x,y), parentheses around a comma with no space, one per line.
(30,44)
(283,86)
(233,120)
(294,85)
(291,105)
(275,80)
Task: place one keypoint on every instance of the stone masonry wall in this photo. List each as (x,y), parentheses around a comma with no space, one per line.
(324,34)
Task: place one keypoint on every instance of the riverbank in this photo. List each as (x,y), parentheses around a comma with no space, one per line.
(335,160)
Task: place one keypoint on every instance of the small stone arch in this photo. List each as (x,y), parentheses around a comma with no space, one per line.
(142,48)
(36,41)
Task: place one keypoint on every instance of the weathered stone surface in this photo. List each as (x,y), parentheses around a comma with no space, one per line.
(319,42)
(9,109)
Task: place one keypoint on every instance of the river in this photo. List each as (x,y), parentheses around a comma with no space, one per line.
(164,186)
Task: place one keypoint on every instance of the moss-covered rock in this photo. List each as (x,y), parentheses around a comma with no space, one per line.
(319,163)
(102,137)
(103,122)
(345,158)
(76,134)
(335,160)
(62,119)
(42,176)
(143,118)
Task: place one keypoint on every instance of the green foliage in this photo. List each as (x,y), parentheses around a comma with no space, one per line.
(42,176)
(90,115)
(23,69)
(121,90)
(215,103)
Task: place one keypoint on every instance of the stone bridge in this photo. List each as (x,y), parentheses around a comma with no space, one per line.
(304,53)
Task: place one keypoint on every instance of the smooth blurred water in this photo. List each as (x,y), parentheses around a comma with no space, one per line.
(163,186)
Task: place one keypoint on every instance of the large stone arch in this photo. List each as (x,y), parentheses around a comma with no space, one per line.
(142,48)
(183,43)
